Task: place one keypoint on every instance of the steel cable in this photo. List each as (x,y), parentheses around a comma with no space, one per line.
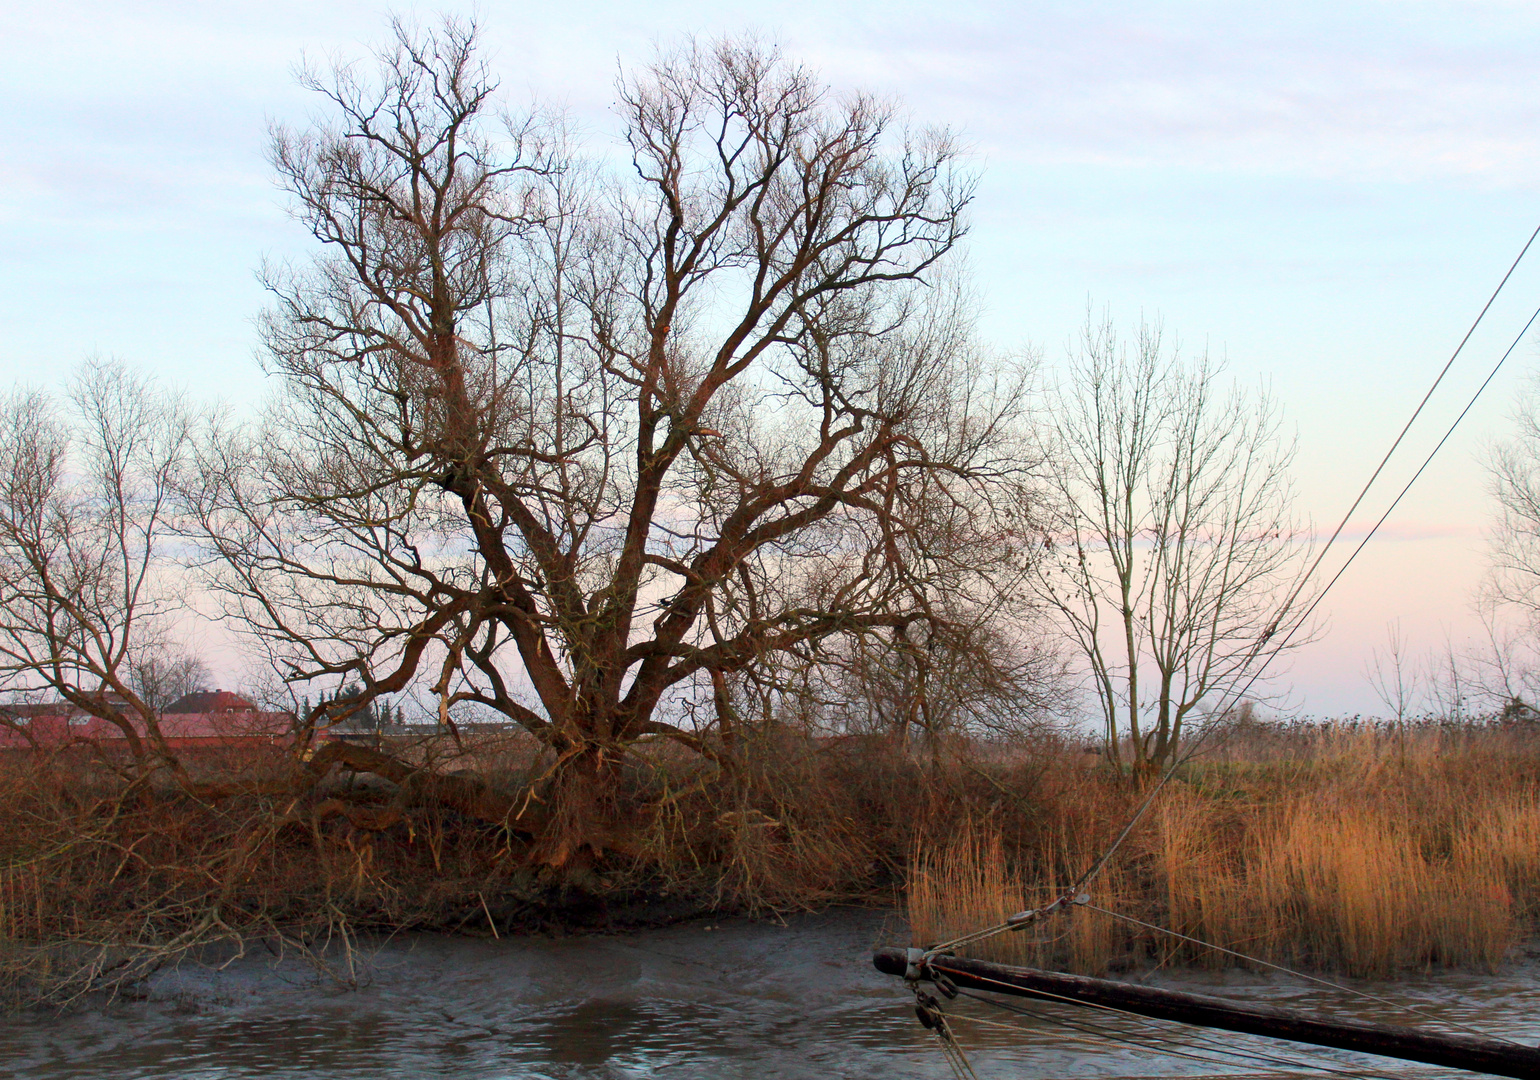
(1256,1056)
(1301,975)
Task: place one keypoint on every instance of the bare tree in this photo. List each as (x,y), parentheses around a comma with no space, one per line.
(1513,578)
(1504,668)
(983,663)
(1173,557)
(564,443)
(1394,675)
(1513,470)
(84,520)
(1450,688)
(987,677)
(160,677)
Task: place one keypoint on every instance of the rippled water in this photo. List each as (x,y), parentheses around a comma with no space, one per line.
(742,999)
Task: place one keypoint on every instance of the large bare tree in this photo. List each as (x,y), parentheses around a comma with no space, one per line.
(563,442)
(1173,556)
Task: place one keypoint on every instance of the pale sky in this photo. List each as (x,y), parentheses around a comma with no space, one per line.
(1323,193)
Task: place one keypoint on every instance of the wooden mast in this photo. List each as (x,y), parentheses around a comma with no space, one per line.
(1490,1056)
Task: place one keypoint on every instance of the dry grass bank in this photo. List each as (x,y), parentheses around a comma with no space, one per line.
(1339,848)
(1327,848)
(102,880)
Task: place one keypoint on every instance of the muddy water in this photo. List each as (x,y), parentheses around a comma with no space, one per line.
(741,999)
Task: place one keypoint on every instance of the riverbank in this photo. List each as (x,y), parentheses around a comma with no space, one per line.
(1336,847)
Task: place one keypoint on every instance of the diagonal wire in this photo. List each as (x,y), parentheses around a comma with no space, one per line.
(1299,974)
(1405,488)
(1415,414)
(1149,799)
(1103,1033)
(961,1067)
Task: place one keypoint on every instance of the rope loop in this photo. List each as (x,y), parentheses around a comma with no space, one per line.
(1018,921)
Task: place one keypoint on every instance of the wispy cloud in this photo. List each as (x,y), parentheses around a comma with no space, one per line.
(1398,91)
(1412,532)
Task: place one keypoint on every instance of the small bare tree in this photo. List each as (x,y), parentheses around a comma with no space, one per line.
(160,676)
(1173,557)
(85,514)
(989,677)
(1394,675)
(983,664)
(1512,583)
(563,444)
(1449,683)
(1504,668)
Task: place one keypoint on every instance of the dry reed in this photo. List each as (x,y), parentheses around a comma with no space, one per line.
(1359,851)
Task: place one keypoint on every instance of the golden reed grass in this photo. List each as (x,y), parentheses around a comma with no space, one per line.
(1362,852)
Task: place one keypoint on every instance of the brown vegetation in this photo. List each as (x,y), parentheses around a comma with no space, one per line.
(105,876)
(1326,848)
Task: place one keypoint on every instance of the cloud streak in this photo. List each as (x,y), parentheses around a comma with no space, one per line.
(1379,91)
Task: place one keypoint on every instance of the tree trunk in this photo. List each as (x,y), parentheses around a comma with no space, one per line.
(583,816)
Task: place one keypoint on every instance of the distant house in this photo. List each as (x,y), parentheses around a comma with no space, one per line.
(209,701)
(206,720)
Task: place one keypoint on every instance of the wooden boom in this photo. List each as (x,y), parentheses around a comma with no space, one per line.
(1490,1056)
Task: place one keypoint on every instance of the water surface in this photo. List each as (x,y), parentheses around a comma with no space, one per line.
(694,1001)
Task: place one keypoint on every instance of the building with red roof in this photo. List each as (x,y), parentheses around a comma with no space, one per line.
(208,719)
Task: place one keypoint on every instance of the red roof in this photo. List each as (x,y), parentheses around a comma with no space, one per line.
(231,720)
(210,701)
